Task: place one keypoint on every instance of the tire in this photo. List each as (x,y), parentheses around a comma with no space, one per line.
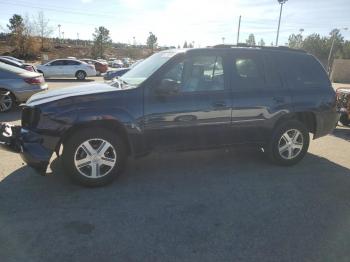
(76,150)
(344,119)
(7,102)
(289,153)
(80,75)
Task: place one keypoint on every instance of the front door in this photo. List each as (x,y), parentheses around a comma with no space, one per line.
(189,105)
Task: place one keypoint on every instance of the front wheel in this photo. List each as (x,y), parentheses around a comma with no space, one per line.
(289,143)
(93,157)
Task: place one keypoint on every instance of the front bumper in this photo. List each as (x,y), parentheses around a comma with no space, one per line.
(28,144)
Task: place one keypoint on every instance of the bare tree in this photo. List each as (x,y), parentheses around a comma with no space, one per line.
(42,27)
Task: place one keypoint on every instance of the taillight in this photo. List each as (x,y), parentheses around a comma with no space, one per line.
(34,80)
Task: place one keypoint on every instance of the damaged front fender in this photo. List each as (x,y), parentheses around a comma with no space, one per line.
(30,145)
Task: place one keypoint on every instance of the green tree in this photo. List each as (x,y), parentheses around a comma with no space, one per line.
(185,45)
(21,37)
(152,41)
(101,41)
(295,41)
(262,42)
(16,23)
(251,40)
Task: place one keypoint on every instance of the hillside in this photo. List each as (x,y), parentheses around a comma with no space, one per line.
(64,50)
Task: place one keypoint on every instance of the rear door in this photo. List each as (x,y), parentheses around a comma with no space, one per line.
(259,93)
(71,67)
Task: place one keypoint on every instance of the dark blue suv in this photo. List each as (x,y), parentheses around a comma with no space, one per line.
(181,100)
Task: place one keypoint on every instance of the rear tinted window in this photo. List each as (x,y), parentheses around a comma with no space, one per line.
(304,71)
(57,63)
(272,73)
(72,62)
(249,71)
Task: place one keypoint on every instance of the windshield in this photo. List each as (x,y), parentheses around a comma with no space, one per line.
(146,68)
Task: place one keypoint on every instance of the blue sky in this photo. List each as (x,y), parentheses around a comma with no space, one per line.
(205,22)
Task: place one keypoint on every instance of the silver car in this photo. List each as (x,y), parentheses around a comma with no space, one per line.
(17,85)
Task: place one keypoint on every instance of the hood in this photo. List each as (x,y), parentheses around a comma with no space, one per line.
(81,90)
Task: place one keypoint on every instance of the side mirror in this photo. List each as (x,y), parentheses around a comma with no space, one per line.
(167,87)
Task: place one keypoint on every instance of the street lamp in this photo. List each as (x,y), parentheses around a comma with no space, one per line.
(281,2)
(59,33)
(333,34)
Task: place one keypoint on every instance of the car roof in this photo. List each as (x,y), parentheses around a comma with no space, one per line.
(13,62)
(11,69)
(237,48)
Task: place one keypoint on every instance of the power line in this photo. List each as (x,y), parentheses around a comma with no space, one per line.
(58,10)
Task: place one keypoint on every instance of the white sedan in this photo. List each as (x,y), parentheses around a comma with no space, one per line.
(67,68)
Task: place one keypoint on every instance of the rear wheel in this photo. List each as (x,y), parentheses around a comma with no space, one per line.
(7,101)
(289,143)
(80,75)
(94,157)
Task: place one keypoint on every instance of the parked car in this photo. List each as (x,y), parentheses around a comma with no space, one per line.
(67,68)
(182,100)
(111,60)
(117,64)
(100,67)
(119,72)
(343,104)
(115,73)
(18,64)
(17,85)
(13,58)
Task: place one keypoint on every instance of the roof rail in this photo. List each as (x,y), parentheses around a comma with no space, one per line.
(285,48)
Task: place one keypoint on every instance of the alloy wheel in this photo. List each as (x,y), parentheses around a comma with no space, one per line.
(6,102)
(95,158)
(291,144)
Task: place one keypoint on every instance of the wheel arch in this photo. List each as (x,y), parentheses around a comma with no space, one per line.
(308,118)
(3,89)
(111,125)
(80,70)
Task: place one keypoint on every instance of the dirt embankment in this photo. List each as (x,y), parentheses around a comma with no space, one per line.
(80,51)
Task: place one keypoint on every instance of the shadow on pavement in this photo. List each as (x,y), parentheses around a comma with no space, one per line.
(13,115)
(195,206)
(342,132)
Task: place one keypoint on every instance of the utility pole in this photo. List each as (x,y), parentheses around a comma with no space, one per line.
(59,33)
(330,62)
(239,28)
(301,30)
(281,2)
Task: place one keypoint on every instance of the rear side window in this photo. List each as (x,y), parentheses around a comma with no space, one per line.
(272,74)
(57,63)
(304,71)
(71,62)
(249,71)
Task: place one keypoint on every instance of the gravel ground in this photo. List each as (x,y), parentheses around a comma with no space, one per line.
(220,205)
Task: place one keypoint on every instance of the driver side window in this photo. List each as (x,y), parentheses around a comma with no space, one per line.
(197,74)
